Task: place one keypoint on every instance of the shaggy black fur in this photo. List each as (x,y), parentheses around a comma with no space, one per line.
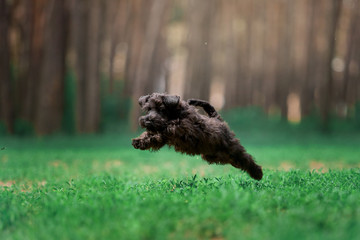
(177,123)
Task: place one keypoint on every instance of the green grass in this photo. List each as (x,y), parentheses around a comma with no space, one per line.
(285,205)
(99,187)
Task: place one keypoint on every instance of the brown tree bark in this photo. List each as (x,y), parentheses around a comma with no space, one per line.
(198,67)
(29,88)
(88,16)
(356,74)
(136,35)
(158,74)
(80,35)
(49,102)
(245,78)
(307,92)
(258,76)
(6,90)
(227,41)
(284,54)
(328,89)
(119,21)
(270,52)
(24,25)
(348,94)
(152,36)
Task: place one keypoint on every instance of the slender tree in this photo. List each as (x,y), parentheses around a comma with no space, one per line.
(198,67)
(28,88)
(348,95)
(136,35)
(328,93)
(307,92)
(6,101)
(50,92)
(227,42)
(119,20)
(284,67)
(88,17)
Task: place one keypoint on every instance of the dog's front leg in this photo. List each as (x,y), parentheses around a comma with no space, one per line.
(147,140)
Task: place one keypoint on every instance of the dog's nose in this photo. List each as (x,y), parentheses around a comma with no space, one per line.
(143,100)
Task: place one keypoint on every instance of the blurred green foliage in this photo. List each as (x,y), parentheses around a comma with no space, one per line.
(23,128)
(3,130)
(68,122)
(357,114)
(115,107)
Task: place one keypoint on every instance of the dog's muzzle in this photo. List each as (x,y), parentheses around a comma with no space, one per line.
(143,100)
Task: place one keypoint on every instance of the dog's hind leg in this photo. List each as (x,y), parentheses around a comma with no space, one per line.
(243,160)
(215,158)
(208,108)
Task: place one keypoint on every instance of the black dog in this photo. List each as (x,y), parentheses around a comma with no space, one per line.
(177,123)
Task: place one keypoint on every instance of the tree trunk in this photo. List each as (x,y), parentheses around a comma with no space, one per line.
(270,50)
(307,92)
(137,24)
(31,81)
(23,85)
(245,80)
(120,21)
(6,101)
(227,43)
(348,95)
(49,102)
(284,68)
(198,68)
(88,35)
(328,93)
(157,78)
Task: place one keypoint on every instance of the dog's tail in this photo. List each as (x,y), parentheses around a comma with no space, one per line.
(244,161)
(208,108)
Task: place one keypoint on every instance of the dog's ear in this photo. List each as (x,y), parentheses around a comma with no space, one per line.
(171,101)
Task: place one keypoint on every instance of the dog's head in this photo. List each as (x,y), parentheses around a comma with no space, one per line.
(159,108)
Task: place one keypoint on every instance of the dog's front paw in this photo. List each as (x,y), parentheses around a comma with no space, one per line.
(138,144)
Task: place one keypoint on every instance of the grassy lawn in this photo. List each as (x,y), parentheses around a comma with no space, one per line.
(99,187)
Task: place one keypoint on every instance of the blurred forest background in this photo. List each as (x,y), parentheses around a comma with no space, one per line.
(77,66)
